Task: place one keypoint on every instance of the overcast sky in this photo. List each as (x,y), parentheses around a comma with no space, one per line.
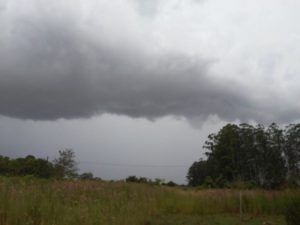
(135,86)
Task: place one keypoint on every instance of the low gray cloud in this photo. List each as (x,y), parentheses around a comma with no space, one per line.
(147,7)
(65,82)
(54,65)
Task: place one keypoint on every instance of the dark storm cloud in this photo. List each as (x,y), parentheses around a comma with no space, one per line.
(51,67)
(65,82)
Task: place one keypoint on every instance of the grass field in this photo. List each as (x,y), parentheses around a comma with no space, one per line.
(29,201)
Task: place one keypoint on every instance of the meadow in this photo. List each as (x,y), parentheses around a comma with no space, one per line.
(30,201)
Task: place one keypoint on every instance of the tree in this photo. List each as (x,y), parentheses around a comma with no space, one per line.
(274,166)
(5,168)
(258,155)
(132,179)
(292,151)
(26,166)
(225,152)
(247,162)
(197,173)
(86,176)
(65,164)
(170,184)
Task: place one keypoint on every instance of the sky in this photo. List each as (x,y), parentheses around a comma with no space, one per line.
(135,86)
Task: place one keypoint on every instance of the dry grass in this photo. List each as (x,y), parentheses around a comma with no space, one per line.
(29,201)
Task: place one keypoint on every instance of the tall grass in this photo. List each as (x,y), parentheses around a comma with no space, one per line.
(254,202)
(29,201)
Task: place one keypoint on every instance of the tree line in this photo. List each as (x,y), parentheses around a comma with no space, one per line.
(254,155)
(145,180)
(64,166)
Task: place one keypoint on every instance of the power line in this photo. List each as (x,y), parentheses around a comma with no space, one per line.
(132,165)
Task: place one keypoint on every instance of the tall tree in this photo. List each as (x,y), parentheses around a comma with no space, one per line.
(274,166)
(225,152)
(257,154)
(292,150)
(65,164)
(247,162)
(197,173)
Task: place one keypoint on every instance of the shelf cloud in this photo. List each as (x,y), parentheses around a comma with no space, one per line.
(64,60)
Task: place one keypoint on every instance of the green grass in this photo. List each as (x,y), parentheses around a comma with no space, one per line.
(29,201)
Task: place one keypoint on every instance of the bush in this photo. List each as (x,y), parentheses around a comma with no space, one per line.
(292,215)
(86,176)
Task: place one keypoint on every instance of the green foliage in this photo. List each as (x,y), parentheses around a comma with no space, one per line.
(86,176)
(198,172)
(132,179)
(158,181)
(265,157)
(293,212)
(170,184)
(144,180)
(292,151)
(209,182)
(65,164)
(26,166)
